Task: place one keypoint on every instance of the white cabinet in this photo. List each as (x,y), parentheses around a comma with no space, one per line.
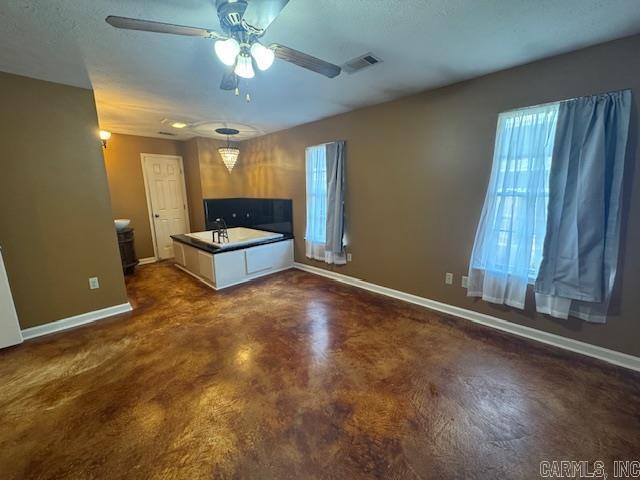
(231,268)
(266,257)
(205,265)
(178,253)
(191,259)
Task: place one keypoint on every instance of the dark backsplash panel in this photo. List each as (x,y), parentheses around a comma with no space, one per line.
(271,214)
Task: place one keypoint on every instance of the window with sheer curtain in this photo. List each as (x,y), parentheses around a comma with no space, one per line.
(324,235)
(316,169)
(508,247)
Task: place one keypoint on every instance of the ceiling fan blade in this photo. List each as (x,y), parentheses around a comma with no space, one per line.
(159,27)
(260,13)
(306,61)
(229,81)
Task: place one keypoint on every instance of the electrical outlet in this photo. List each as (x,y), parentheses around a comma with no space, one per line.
(465,282)
(349,257)
(448,278)
(93,283)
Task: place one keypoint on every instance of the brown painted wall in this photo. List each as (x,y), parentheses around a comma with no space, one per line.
(422,164)
(191,160)
(126,183)
(217,182)
(56,228)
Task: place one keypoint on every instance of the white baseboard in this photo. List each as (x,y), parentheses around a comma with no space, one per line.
(145,261)
(610,356)
(74,321)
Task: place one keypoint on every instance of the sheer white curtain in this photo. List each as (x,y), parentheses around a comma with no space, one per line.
(316,232)
(508,246)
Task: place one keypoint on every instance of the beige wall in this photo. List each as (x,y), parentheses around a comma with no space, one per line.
(421,164)
(191,160)
(205,176)
(217,182)
(56,228)
(126,183)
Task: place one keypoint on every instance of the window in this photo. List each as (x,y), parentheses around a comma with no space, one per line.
(316,169)
(512,227)
(324,235)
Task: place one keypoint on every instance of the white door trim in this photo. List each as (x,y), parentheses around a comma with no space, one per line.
(9,324)
(143,156)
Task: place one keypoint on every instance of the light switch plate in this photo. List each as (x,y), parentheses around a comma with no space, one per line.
(349,257)
(448,278)
(93,283)
(465,282)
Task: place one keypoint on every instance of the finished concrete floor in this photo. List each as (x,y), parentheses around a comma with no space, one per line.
(296,376)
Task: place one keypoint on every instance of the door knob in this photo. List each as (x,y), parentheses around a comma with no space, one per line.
(156,215)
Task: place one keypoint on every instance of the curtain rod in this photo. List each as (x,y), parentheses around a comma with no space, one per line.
(325,143)
(567,100)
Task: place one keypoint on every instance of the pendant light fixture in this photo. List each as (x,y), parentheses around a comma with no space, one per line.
(229,154)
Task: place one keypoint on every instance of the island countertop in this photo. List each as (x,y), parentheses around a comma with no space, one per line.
(194,242)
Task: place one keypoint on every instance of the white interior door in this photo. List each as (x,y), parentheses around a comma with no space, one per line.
(167,198)
(10,333)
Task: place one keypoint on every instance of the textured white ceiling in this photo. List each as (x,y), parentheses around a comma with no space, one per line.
(142,78)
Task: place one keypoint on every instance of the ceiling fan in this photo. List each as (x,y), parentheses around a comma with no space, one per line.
(243,23)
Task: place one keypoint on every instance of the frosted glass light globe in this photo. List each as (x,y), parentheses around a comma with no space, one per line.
(244,67)
(227,50)
(262,55)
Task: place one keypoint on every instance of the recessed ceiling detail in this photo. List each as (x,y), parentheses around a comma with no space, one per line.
(227,131)
(173,123)
(209,129)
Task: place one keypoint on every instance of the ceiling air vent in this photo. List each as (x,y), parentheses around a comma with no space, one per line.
(361,62)
(168,134)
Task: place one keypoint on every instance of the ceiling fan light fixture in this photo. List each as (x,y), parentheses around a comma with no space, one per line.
(244,66)
(262,55)
(243,22)
(227,50)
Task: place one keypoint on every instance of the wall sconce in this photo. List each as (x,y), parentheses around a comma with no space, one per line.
(104,136)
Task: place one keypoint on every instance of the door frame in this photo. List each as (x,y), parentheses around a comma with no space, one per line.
(152,226)
(12,328)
